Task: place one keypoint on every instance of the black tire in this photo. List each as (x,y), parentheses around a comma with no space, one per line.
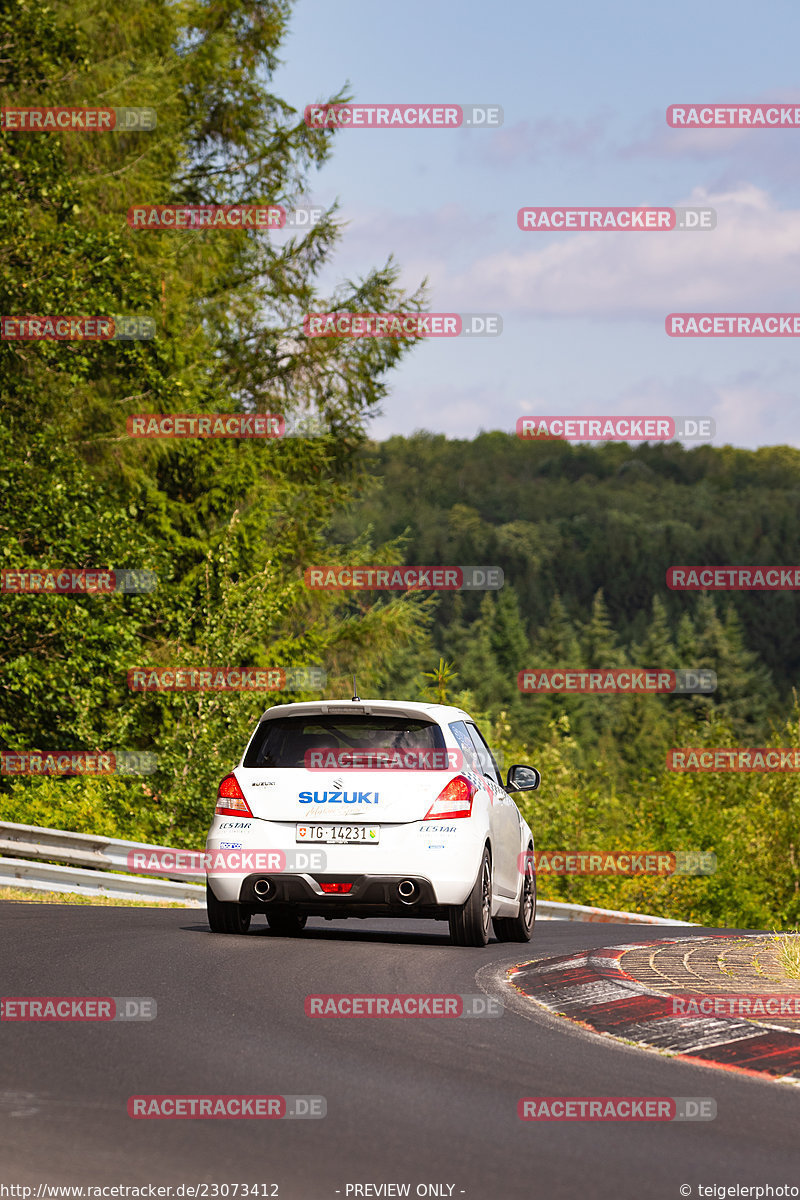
(469,923)
(225,916)
(287,924)
(520,927)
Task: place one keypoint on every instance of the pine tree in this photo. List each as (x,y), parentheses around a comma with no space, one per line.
(656,649)
(510,646)
(556,643)
(478,669)
(599,642)
(227,525)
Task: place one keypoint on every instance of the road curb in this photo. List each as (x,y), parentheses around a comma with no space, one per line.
(592,989)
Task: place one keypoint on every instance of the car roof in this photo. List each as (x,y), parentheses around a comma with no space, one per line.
(443,713)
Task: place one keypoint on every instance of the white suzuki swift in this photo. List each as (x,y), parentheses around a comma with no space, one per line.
(372,808)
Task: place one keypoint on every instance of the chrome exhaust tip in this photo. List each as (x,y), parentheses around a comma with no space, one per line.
(263,887)
(408,891)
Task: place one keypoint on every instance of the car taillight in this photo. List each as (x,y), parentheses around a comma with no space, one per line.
(337,889)
(230,799)
(454,800)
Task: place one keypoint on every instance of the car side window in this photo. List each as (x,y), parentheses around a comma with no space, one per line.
(488,765)
(471,759)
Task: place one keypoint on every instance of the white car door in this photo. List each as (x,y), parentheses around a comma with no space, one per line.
(504,820)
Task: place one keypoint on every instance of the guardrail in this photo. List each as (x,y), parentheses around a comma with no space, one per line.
(555,910)
(94,862)
(93,869)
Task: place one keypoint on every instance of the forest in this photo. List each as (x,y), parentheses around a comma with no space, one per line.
(583,534)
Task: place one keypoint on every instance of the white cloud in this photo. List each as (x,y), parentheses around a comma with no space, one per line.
(544,140)
(458,411)
(750,262)
(426,243)
(750,408)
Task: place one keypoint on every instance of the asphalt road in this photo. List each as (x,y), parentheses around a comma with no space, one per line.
(418,1102)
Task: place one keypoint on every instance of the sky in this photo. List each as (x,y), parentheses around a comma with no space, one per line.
(584,89)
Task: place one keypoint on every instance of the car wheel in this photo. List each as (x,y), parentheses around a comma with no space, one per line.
(287,924)
(520,927)
(469,923)
(225,916)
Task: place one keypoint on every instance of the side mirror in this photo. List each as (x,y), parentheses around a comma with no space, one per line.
(522,779)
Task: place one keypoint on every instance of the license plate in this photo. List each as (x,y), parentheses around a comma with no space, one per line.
(346,834)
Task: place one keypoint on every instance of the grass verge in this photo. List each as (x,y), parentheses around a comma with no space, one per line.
(31,895)
(788,947)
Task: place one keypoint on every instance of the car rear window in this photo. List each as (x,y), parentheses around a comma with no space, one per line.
(283,741)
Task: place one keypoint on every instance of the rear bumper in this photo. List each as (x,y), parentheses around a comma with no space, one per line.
(369,895)
(442,858)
